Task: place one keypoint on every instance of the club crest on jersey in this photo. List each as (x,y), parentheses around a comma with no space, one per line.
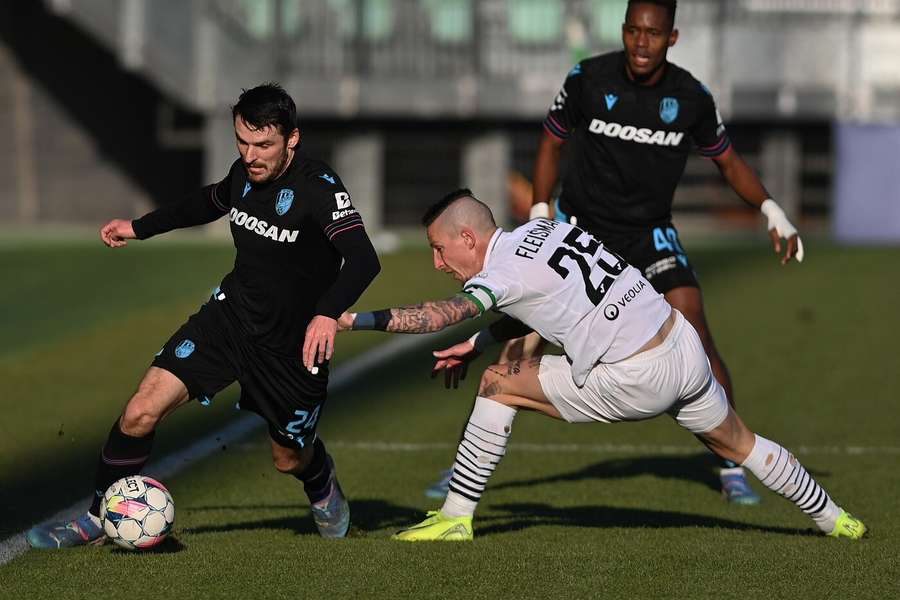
(184,349)
(668,109)
(283,201)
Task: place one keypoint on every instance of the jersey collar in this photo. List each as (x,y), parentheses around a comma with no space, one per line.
(487,254)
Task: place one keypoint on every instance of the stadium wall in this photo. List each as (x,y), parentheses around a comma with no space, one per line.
(867,183)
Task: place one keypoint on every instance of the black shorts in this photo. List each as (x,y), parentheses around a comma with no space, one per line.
(657,252)
(211,351)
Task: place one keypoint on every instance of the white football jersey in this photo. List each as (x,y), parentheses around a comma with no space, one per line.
(561,282)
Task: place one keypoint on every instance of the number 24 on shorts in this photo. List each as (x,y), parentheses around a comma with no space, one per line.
(306,421)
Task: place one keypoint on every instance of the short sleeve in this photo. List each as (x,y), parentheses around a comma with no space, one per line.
(332,207)
(565,112)
(709,131)
(491,290)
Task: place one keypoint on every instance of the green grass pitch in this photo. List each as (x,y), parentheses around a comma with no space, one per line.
(627,510)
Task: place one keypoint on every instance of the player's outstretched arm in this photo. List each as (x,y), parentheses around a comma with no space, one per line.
(114,233)
(426,317)
(744,181)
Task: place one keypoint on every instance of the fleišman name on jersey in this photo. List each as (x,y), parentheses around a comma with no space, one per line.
(534,238)
(630,133)
(260,227)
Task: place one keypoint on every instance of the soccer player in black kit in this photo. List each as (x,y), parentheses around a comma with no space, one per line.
(633,118)
(271,323)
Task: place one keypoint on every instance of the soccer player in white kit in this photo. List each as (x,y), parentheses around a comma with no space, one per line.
(628,356)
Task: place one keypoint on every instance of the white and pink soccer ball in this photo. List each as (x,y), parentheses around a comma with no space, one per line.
(137,512)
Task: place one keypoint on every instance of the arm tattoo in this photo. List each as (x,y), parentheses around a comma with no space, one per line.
(431,316)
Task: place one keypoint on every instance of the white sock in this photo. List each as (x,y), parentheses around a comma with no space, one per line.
(480,450)
(778,470)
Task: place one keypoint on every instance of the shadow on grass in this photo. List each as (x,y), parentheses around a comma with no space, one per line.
(170,545)
(366,515)
(701,468)
(520,516)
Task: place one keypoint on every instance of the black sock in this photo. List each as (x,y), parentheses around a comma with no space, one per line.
(122,455)
(316,477)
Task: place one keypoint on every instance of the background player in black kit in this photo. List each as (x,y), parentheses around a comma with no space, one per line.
(271,323)
(633,118)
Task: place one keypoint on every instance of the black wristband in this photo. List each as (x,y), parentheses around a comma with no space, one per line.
(377,320)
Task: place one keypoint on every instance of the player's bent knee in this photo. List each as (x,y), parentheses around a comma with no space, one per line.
(491,381)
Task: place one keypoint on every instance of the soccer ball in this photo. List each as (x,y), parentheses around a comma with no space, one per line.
(137,512)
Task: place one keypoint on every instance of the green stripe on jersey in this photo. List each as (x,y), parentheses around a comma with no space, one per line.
(474,299)
(487,291)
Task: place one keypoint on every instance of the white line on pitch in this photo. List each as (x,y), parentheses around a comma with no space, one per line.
(382,446)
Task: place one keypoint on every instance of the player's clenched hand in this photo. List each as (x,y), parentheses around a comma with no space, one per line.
(454,362)
(116,232)
(318,345)
(780,228)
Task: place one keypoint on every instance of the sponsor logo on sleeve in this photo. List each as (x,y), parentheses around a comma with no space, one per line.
(560,101)
(342,199)
(720,125)
(327,178)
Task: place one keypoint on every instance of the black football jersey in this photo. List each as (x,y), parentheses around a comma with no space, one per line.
(631,141)
(290,236)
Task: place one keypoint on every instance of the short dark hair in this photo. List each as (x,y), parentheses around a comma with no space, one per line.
(265,105)
(435,210)
(669,5)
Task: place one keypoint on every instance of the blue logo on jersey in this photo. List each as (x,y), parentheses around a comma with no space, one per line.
(327,178)
(611,100)
(576,70)
(246,189)
(668,109)
(184,349)
(284,201)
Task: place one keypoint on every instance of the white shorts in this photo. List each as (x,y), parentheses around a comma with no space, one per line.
(675,378)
